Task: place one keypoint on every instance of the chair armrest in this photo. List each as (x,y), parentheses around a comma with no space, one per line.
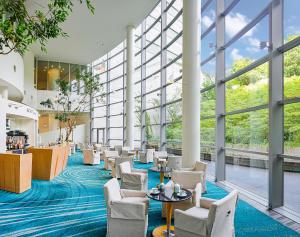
(190,223)
(132,193)
(206,202)
(197,195)
(143,171)
(187,169)
(128,210)
(133,177)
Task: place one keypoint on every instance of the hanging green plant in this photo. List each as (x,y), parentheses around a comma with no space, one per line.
(19,28)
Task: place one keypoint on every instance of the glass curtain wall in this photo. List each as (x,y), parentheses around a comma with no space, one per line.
(250,96)
(249,92)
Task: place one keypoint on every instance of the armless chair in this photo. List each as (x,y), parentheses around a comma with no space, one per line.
(191,180)
(147,157)
(127,211)
(136,179)
(90,157)
(210,218)
(199,166)
(108,158)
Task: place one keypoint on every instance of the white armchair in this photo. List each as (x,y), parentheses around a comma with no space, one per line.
(160,157)
(115,169)
(127,211)
(108,157)
(136,179)
(147,157)
(191,180)
(90,157)
(200,166)
(118,148)
(212,218)
(174,162)
(97,147)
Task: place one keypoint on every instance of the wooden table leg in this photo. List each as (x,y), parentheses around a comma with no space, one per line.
(165,230)
(162,175)
(169,208)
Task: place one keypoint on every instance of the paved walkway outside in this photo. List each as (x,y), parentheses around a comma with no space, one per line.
(256,180)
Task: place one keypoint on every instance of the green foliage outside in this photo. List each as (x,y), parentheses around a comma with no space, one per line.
(245,130)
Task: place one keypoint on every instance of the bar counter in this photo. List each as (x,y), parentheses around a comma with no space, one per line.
(49,162)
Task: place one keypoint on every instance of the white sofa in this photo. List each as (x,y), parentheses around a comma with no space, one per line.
(147,157)
(136,179)
(211,218)
(91,157)
(127,211)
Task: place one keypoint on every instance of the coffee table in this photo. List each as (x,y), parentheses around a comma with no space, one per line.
(168,197)
(162,171)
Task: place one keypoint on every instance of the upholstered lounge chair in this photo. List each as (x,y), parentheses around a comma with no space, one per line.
(136,179)
(127,211)
(211,218)
(90,157)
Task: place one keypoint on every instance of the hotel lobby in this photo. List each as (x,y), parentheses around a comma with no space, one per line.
(155,118)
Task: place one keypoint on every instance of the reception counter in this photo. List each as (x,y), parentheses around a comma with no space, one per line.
(15,172)
(49,162)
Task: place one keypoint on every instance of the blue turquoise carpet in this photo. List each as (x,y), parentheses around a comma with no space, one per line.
(73,205)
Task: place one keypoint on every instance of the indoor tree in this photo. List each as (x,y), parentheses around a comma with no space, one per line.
(69,103)
(19,28)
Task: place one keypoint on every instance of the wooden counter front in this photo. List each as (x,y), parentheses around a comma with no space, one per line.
(15,172)
(48,162)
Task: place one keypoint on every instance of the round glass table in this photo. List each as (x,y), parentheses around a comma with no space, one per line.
(162,171)
(168,197)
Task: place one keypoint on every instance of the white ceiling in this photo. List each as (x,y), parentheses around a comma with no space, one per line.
(91,36)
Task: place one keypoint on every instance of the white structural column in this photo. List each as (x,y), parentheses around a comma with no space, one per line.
(191,82)
(129,87)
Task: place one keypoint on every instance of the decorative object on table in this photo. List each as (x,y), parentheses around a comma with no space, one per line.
(155,191)
(176,188)
(191,180)
(181,194)
(161,187)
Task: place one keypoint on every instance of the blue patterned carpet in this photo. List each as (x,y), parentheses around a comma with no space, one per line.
(73,205)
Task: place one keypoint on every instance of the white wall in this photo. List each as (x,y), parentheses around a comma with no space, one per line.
(30,93)
(12,74)
(80,135)
(3,106)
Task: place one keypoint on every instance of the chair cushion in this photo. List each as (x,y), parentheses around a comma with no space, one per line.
(135,199)
(198,212)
